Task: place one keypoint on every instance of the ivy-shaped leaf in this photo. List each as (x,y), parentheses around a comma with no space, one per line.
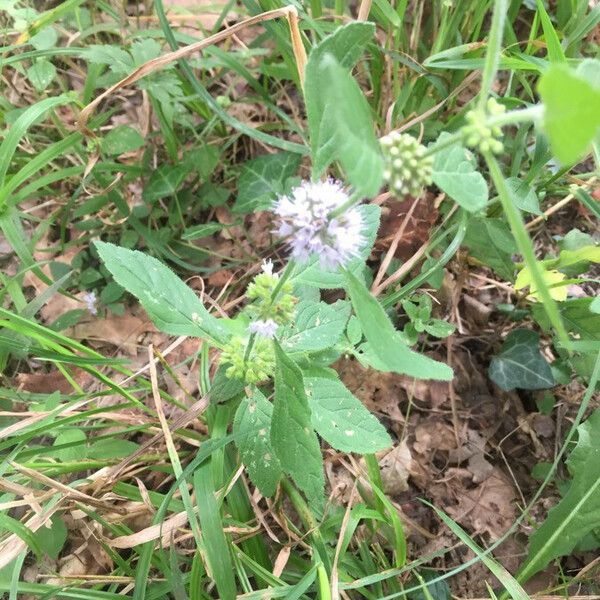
(339,417)
(173,307)
(252,431)
(292,436)
(520,363)
(317,326)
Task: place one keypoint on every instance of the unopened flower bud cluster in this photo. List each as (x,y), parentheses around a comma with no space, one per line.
(478,134)
(257,367)
(407,168)
(267,314)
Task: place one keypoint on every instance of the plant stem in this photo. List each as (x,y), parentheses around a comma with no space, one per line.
(517,226)
(289,268)
(309,521)
(492,56)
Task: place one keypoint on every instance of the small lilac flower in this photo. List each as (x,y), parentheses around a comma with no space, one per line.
(90,300)
(264,327)
(305,219)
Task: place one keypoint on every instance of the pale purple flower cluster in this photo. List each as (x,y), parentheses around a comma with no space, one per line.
(305,219)
(265,328)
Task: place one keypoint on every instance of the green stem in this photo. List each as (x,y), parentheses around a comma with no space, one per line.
(309,521)
(492,56)
(289,268)
(517,226)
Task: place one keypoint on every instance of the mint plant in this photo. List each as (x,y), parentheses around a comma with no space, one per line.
(281,346)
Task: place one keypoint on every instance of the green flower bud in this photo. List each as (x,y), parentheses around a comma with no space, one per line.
(477,134)
(407,169)
(260,292)
(259,366)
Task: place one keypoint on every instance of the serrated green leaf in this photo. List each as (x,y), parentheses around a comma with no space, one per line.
(311,273)
(292,436)
(571,112)
(117,59)
(339,417)
(578,512)
(454,173)
(346,44)
(173,307)
(520,363)
(317,326)
(263,179)
(341,125)
(252,431)
(385,342)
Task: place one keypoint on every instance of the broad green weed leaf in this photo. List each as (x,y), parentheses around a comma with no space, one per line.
(586,254)
(122,139)
(165,181)
(577,317)
(578,512)
(263,179)
(454,173)
(341,126)
(292,436)
(311,272)
(173,307)
(346,44)
(114,448)
(520,363)
(571,112)
(336,126)
(41,74)
(52,539)
(252,431)
(490,241)
(119,61)
(384,341)
(339,417)
(318,326)
(523,195)
(552,278)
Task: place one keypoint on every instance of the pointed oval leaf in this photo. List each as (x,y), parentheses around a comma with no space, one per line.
(252,431)
(340,418)
(292,436)
(384,340)
(173,307)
